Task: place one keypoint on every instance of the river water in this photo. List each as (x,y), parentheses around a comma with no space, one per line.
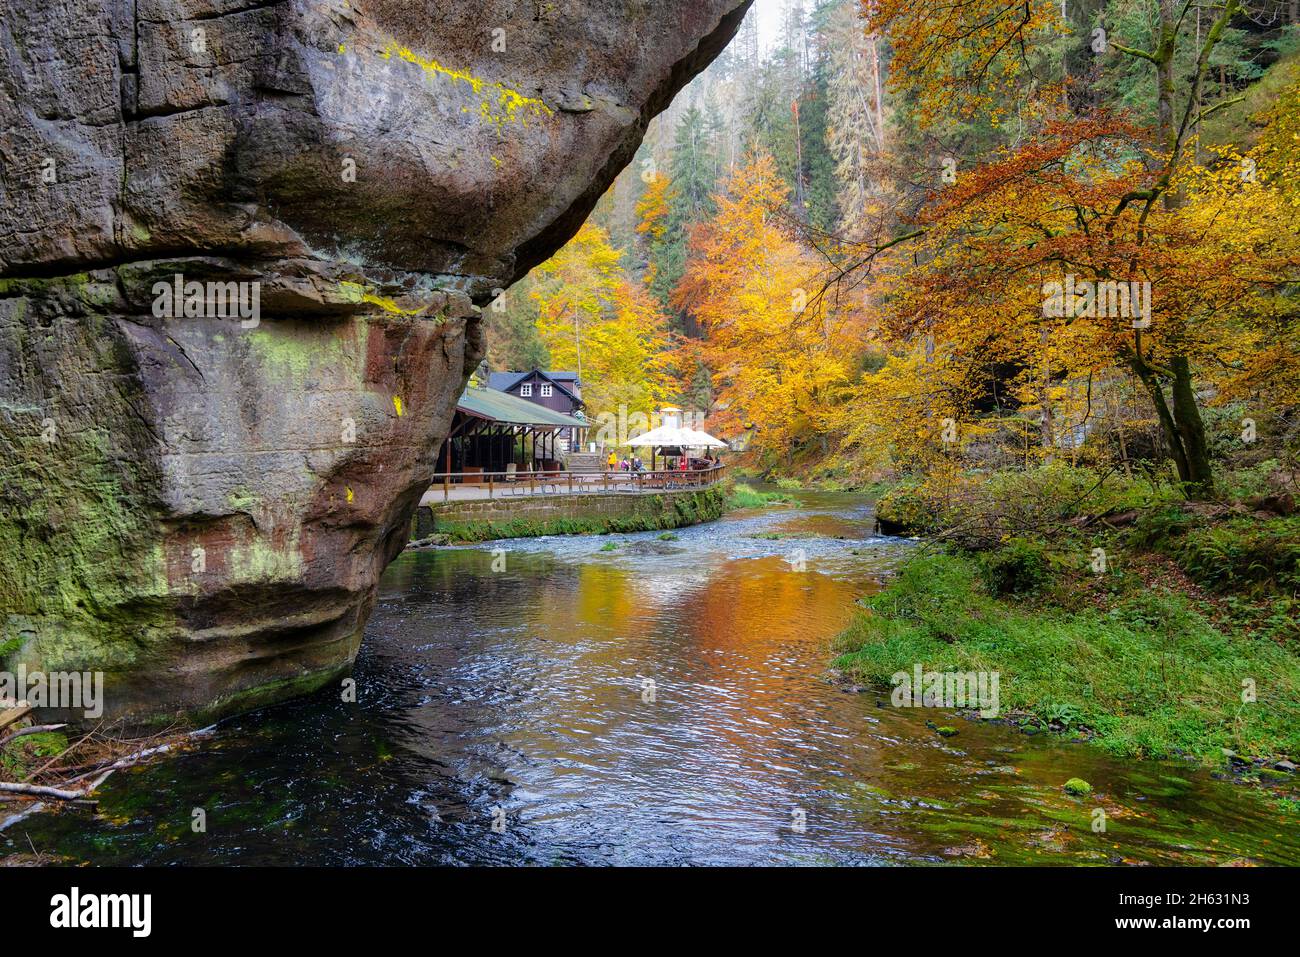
(624,699)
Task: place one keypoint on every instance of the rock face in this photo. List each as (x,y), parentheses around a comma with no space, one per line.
(242,250)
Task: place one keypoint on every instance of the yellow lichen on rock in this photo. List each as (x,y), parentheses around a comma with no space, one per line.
(355,292)
(501,105)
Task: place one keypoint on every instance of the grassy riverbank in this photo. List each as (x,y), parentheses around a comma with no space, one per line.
(742,495)
(1144,672)
(1151,626)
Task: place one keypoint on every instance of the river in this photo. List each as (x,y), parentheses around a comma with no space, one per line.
(627,699)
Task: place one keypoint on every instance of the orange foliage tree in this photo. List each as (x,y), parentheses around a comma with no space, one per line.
(778,354)
(1098,244)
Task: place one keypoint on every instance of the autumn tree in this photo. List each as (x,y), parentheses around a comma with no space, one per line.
(678,202)
(1118,223)
(776,356)
(604,325)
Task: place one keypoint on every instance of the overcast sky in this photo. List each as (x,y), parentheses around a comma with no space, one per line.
(769,15)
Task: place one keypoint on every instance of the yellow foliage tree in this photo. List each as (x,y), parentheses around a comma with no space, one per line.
(598,322)
(777,352)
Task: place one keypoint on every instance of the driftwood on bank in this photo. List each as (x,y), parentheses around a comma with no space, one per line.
(98,775)
(40,790)
(73,775)
(34,729)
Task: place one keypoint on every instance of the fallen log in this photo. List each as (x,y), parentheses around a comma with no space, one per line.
(40,790)
(34,729)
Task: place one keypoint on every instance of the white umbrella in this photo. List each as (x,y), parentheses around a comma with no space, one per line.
(664,435)
(672,435)
(703,440)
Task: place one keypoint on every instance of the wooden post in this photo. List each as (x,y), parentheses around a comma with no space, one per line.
(490,485)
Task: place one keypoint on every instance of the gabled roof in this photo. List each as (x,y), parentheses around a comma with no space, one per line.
(497,406)
(505,381)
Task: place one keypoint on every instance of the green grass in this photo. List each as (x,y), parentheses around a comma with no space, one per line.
(746,496)
(25,754)
(1150,678)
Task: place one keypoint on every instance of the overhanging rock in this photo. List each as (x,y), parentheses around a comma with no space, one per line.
(242,250)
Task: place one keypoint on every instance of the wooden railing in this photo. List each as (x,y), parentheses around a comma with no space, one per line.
(555,482)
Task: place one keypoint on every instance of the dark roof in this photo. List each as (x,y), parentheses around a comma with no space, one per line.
(501,381)
(505,381)
(497,406)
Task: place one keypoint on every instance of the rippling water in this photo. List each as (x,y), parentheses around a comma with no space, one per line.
(510,685)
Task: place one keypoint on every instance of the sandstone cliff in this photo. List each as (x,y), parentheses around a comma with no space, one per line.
(199,501)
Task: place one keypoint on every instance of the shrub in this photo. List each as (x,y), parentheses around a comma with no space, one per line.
(910,508)
(1019,566)
(1244,483)
(984,510)
(1156,528)
(1245,553)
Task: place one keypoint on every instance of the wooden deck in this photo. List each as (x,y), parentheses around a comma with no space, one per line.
(471,486)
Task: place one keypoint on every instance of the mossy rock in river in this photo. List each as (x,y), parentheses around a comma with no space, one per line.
(906,511)
(1078,787)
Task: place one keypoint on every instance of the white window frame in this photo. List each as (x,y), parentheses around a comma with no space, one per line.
(546,390)
(526,390)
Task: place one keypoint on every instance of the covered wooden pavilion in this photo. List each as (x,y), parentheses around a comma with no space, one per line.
(492,431)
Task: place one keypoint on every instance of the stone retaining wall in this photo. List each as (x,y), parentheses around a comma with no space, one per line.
(565,514)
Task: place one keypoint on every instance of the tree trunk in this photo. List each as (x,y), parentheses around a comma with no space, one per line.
(1045,399)
(1199,478)
(1181,425)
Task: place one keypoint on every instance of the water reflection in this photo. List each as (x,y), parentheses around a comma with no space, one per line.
(525,688)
